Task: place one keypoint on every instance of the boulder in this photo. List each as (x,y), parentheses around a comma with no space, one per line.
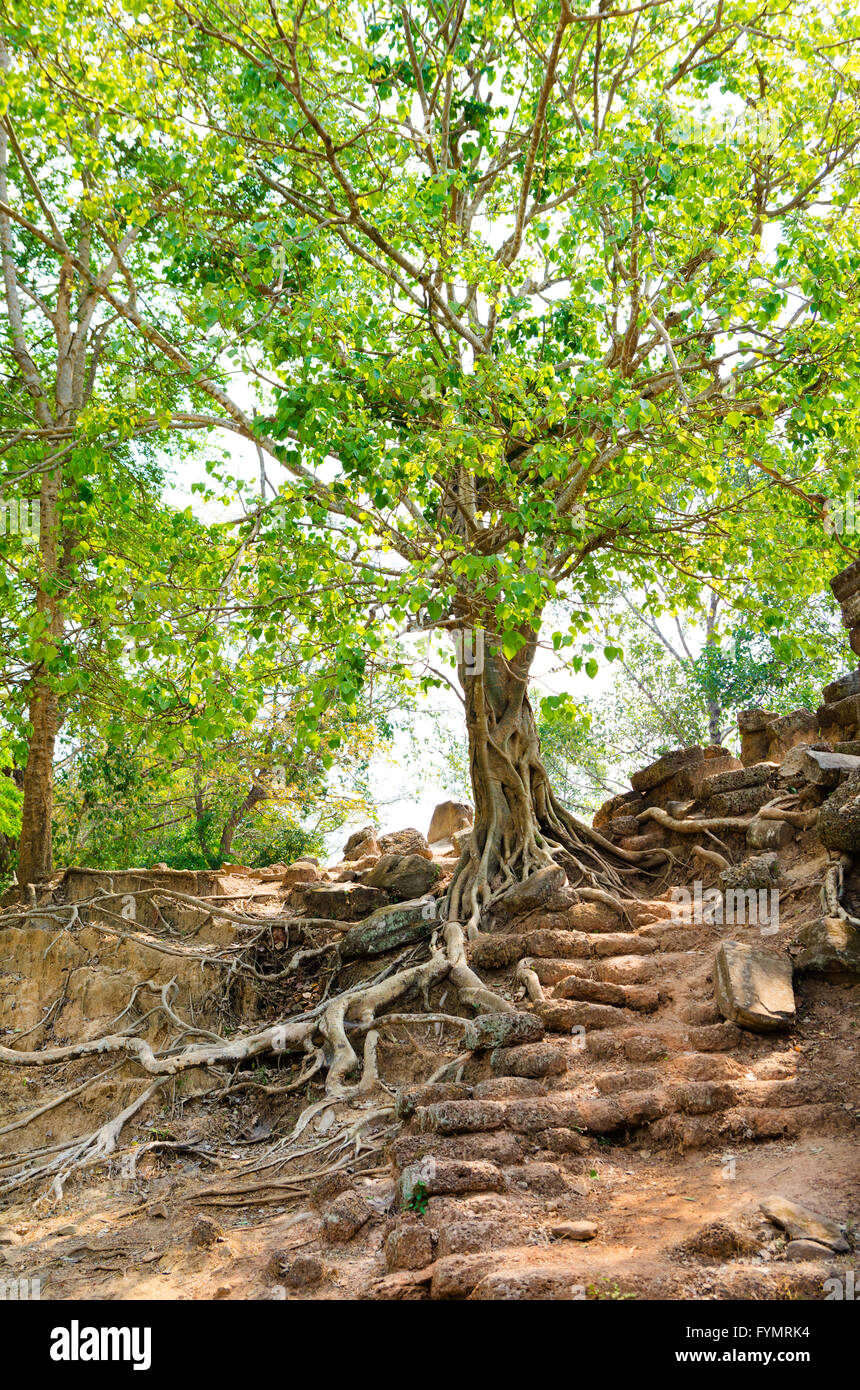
(362,843)
(460,840)
(829,946)
(838,825)
(800,1223)
(403,876)
(753,988)
(405,842)
(303,1272)
(448,817)
(854,640)
(389,927)
(574,1230)
(807,1250)
(301,872)
(534,892)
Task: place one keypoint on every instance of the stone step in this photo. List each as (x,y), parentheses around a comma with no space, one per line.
(740,802)
(748,1123)
(756,775)
(634,1045)
(477,1236)
(439,1177)
(643,998)
(498,1146)
(495,952)
(531,1060)
(562,1015)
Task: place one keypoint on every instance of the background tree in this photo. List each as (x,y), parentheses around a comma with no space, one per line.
(515,331)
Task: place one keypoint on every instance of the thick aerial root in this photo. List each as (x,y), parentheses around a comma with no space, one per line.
(694,827)
(833,888)
(526,977)
(710,856)
(467,984)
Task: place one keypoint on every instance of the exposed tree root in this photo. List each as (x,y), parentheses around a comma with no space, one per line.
(710,856)
(833,889)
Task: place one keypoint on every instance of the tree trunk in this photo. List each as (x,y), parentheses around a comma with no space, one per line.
(236,816)
(35,849)
(520,826)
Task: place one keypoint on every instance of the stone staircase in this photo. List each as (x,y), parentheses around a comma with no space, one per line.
(495,1169)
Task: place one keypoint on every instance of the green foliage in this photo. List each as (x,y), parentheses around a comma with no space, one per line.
(10,797)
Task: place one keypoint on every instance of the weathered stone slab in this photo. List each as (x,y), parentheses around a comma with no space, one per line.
(844,714)
(626,802)
(534,892)
(769,834)
(664,768)
(752,721)
(530,1060)
(754,776)
(344,902)
(753,988)
(389,927)
(851,610)
(739,803)
(828,769)
(800,1223)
